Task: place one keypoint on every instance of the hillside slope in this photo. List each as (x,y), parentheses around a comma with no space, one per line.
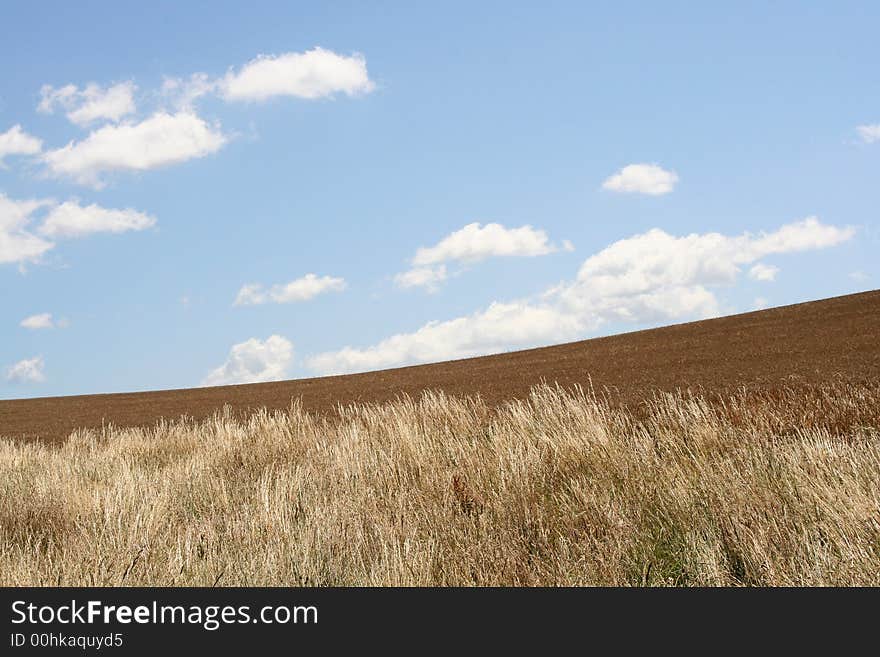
(802,344)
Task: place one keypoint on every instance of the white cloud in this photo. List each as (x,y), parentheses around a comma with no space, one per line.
(90,104)
(642,179)
(183,92)
(39,321)
(654,259)
(251,294)
(167,138)
(70,219)
(161,140)
(254,361)
(17,242)
(16,141)
(29,370)
(859,276)
(760,303)
(20,242)
(51,98)
(301,289)
(762,272)
(650,277)
(427,277)
(499,327)
(473,243)
(869,133)
(316,73)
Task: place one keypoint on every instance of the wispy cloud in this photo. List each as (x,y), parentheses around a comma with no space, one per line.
(869,133)
(301,289)
(424,277)
(762,272)
(42,321)
(17,243)
(93,103)
(29,370)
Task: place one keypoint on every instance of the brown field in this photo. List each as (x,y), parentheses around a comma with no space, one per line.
(803,345)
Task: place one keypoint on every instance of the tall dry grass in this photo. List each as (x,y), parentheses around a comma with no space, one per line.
(560,489)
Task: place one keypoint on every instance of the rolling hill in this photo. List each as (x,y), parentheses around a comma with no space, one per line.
(802,344)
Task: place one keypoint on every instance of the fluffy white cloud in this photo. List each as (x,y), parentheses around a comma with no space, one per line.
(161,140)
(642,179)
(17,242)
(651,277)
(655,258)
(21,242)
(869,133)
(16,141)
(473,243)
(427,277)
(254,361)
(762,272)
(84,106)
(316,73)
(302,289)
(70,219)
(39,321)
(29,370)
(170,137)
(760,303)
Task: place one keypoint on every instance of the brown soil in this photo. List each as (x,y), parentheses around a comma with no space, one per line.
(805,344)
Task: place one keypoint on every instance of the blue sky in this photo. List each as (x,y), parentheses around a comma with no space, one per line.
(211,194)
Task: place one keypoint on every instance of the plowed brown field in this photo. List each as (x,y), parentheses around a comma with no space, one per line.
(805,344)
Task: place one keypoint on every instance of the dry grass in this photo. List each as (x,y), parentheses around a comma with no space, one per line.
(560,489)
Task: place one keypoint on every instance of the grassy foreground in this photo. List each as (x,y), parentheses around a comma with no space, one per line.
(561,489)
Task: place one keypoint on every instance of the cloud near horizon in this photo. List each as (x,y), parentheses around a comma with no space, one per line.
(649,277)
(254,361)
